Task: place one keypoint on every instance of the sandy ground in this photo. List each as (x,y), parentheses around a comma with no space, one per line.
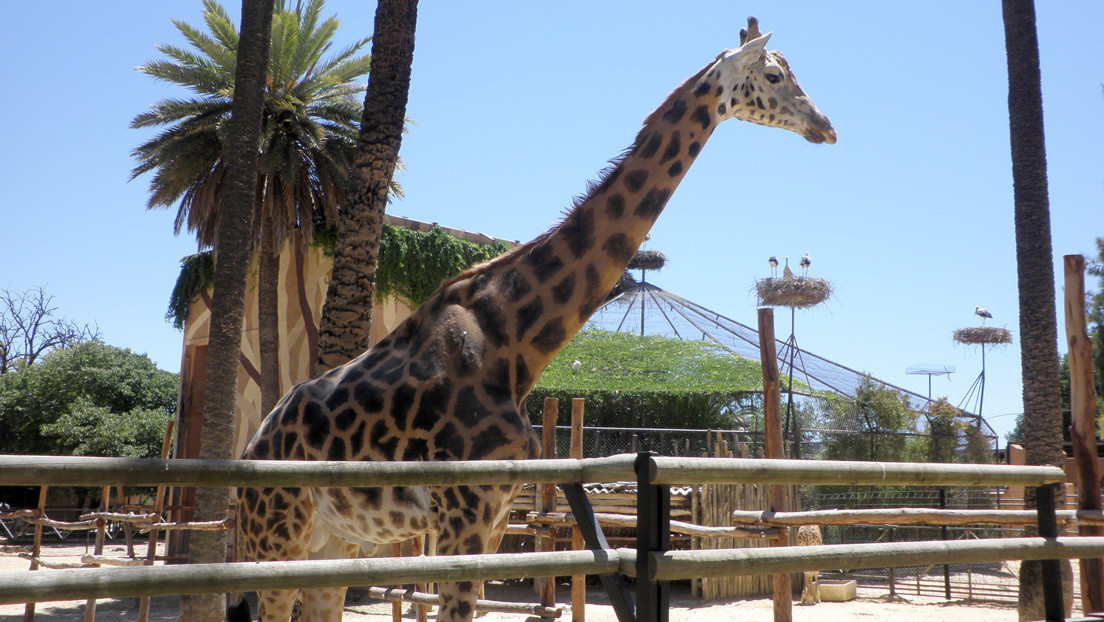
(871,606)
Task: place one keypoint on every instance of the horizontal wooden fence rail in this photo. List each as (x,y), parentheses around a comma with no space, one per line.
(908,516)
(21,586)
(677,565)
(674,471)
(17,587)
(86,471)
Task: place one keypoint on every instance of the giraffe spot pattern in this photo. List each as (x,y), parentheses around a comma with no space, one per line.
(651,145)
(578,231)
(652,203)
(674,147)
(675,113)
(615,205)
(701,116)
(562,291)
(527,315)
(551,336)
(634,181)
(618,247)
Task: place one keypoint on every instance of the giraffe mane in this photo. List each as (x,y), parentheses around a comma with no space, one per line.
(615,162)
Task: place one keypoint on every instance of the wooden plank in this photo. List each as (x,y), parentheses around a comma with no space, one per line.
(1083,415)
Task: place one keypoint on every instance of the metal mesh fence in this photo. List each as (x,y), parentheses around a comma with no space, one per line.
(996,581)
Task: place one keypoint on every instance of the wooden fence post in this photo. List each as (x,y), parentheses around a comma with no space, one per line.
(1082,407)
(578,582)
(547,586)
(774,447)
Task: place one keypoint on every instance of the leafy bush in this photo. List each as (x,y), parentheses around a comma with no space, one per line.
(649,381)
(89,399)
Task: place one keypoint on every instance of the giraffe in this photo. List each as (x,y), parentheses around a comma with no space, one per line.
(809,535)
(448,382)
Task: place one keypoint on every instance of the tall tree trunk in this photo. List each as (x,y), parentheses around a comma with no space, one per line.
(232,253)
(268,318)
(347,313)
(1035,269)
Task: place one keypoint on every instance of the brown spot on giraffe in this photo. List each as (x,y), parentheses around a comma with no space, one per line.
(447,384)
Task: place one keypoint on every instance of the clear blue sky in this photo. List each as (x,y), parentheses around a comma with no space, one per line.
(517,105)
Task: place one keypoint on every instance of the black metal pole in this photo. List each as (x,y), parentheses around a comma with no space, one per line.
(1052,568)
(595,539)
(653,535)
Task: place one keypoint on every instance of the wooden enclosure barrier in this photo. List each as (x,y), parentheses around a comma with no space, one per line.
(651,563)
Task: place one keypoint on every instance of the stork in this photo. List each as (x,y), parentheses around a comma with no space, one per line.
(805,263)
(576,366)
(786,272)
(773,261)
(983,313)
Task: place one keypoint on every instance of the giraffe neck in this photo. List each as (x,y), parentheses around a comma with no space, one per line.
(579,262)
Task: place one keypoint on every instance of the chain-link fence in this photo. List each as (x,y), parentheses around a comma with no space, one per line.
(813,444)
(997,581)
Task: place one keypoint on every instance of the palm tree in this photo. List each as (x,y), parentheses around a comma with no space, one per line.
(1034,267)
(347,313)
(243,133)
(311,117)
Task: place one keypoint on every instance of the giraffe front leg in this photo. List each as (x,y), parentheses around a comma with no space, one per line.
(474,525)
(327,604)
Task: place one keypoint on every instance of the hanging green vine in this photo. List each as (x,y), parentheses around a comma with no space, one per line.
(411,264)
(197,274)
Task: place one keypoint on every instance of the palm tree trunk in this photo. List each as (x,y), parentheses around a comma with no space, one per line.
(268,318)
(347,313)
(232,253)
(1035,270)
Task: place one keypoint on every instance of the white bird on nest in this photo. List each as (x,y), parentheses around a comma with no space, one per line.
(773,261)
(983,312)
(786,272)
(805,262)
(576,366)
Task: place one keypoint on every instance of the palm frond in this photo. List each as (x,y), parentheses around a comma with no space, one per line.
(220,24)
(198,79)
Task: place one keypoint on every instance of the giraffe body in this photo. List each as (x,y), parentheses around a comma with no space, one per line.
(809,535)
(448,382)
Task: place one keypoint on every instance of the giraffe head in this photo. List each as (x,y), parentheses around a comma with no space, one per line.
(757,85)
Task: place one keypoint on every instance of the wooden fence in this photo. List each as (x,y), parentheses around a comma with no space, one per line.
(650,562)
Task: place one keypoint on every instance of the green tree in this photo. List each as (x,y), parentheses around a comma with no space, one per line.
(87,399)
(347,312)
(309,128)
(867,426)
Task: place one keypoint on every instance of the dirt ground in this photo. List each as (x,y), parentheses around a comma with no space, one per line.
(871,606)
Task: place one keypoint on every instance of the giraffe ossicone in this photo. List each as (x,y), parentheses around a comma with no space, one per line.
(448,382)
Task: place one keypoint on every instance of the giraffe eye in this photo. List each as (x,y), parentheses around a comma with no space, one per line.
(773,78)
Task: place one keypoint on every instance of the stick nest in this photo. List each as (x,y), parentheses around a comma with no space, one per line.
(982,335)
(647,260)
(799,292)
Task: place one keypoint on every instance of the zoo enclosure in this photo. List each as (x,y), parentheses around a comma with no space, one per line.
(650,562)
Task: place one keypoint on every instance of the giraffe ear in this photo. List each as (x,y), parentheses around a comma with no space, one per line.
(752,50)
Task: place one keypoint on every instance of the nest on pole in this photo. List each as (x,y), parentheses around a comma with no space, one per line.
(983,335)
(647,260)
(799,292)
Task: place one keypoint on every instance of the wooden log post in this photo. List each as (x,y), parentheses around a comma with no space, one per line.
(36,549)
(781,587)
(546,586)
(101,534)
(1082,407)
(158,508)
(578,582)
